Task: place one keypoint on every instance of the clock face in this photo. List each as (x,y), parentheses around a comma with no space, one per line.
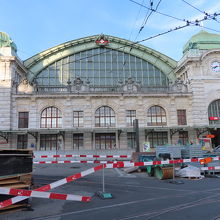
(216,66)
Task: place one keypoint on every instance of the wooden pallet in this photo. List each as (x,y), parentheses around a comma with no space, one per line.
(18,181)
(10,180)
(193,178)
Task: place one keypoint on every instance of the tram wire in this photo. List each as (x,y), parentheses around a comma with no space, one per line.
(204,12)
(188,23)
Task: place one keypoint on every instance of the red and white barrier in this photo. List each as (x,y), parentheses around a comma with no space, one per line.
(32,193)
(53,185)
(81,155)
(128,163)
(73,161)
(210,168)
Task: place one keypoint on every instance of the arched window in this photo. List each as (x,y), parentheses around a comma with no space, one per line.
(105,117)
(214,112)
(51,117)
(156,116)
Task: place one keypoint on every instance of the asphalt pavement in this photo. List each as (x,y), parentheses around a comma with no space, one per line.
(135,196)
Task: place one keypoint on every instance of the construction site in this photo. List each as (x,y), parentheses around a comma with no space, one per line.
(104,127)
(157,184)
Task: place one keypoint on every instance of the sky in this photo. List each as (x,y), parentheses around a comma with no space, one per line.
(36,25)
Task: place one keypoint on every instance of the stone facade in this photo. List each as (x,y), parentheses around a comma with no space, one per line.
(195,87)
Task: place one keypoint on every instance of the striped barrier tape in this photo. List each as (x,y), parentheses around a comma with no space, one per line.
(73,161)
(81,155)
(210,168)
(53,185)
(32,193)
(128,163)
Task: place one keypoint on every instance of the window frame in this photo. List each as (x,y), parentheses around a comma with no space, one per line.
(155,118)
(78,117)
(214,111)
(157,138)
(131,140)
(23,119)
(55,121)
(181,117)
(78,139)
(49,140)
(105,117)
(130,117)
(22,141)
(104,140)
(183,137)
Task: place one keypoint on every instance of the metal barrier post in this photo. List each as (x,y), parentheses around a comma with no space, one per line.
(103,179)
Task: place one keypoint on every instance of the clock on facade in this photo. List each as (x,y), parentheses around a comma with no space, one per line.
(215,66)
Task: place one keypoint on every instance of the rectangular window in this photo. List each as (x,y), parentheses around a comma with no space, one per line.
(22,141)
(77,141)
(78,119)
(131,140)
(48,142)
(105,141)
(23,119)
(183,137)
(130,117)
(158,138)
(181,116)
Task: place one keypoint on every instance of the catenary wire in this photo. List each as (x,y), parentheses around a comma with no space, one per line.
(170,16)
(204,12)
(188,23)
(155,10)
(136,20)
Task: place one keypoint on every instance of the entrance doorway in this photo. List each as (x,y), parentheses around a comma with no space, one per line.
(105,141)
(216,139)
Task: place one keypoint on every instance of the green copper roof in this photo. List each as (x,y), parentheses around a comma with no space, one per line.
(6,41)
(203,41)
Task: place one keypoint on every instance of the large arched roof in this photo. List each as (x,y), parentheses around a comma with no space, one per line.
(40,61)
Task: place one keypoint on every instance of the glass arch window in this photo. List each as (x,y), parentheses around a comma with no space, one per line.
(104,117)
(102,67)
(156,116)
(214,112)
(51,117)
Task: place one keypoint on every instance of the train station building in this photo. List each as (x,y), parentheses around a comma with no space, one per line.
(87,93)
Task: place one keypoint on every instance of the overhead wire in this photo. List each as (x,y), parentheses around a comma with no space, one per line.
(158,12)
(187,23)
(152,10)
(136,19)
(204,12)
(142,27)
(148,14)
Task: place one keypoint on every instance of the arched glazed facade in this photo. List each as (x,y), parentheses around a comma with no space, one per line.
(127,81)
(102,67)
(118,60)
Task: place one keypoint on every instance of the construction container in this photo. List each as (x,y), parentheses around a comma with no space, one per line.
(163,173)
